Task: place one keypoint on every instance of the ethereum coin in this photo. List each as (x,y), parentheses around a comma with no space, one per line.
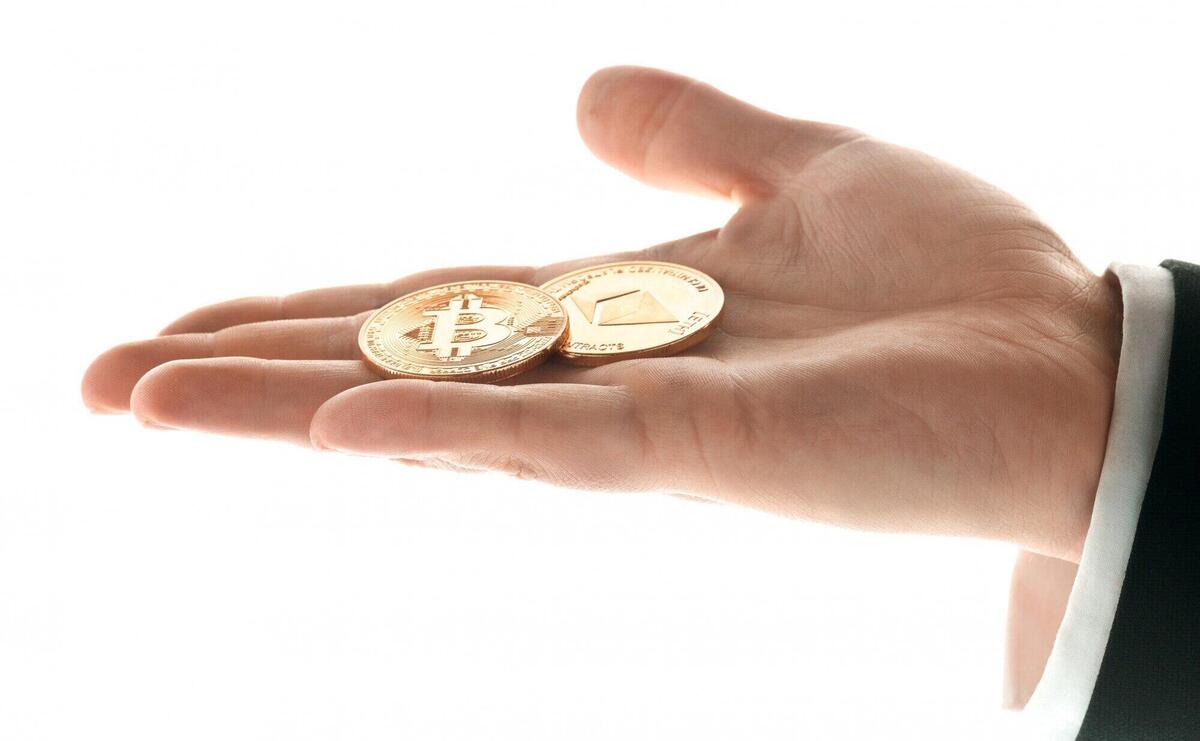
(635,310)
(469,331)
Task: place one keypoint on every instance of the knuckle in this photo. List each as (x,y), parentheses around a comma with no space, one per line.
(513,465)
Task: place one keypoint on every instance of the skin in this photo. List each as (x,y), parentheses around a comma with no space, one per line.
(904,346)
(1037,603)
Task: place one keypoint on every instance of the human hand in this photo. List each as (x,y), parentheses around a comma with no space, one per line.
(904,347)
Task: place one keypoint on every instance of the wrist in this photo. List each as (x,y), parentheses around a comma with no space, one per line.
(1099,317)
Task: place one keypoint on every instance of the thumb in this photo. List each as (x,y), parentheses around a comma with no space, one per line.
(572,434)
(674,132)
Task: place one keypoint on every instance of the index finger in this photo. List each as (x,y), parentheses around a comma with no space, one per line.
(347,300)
(332,302)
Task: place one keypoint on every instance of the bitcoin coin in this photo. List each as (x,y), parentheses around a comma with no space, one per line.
(635,309)
(469,331)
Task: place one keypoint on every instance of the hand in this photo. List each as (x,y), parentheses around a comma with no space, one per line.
(904,347)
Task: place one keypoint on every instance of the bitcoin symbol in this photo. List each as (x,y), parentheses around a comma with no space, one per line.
(464,325)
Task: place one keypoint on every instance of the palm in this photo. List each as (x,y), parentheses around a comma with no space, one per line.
(904,347)
(903,344)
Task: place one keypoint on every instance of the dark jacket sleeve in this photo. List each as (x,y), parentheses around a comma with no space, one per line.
(1149,681)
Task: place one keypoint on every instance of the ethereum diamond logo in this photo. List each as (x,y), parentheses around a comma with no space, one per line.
(631,307)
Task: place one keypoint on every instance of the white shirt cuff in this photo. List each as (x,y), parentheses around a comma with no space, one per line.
(1058,704)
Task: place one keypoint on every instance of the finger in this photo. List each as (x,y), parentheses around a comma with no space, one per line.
(579,435)
(243,396)
(674,132)
(555,370)
(329,302)
(111,377)
(255,397)
(348,300)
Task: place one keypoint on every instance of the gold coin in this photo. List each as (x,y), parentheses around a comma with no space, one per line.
(635,309)
(469,331)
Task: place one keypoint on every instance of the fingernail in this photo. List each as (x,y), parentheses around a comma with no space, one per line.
(152,425)
(321,444)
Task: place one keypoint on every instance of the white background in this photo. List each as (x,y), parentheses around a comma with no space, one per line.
(158,156)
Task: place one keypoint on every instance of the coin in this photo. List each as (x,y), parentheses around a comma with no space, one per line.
(635,309)
(468,331)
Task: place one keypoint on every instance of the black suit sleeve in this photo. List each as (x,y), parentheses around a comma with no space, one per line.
(1149,681)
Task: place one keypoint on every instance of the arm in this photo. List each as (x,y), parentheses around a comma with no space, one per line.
(1118,636)
(1036,604)
(904,347)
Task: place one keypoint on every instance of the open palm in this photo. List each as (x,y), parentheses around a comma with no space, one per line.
(904,347)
